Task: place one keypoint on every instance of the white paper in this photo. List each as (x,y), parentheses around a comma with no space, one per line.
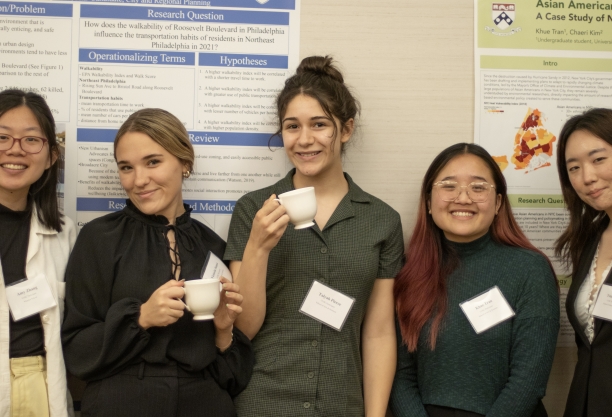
(327,305)
(487,309)
(214,268)
(603,305)
(29,297)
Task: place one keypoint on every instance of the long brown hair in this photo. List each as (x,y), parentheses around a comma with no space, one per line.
(43,192)
(420,288)
(585,221)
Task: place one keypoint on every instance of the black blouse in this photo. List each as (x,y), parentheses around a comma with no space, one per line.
(118,261)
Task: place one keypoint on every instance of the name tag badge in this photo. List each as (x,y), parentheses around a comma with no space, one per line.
(28,297)
(487,310)
(214,268)
(603,305)
(327,305)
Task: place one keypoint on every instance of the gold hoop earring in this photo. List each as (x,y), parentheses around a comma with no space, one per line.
(186,174)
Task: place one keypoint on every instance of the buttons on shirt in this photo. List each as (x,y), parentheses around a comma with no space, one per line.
(314,343)
(306,404)
(310,375)
(45,318)
(323,249)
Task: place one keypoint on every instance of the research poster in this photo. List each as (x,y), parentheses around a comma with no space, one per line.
(537,63)
(215,64)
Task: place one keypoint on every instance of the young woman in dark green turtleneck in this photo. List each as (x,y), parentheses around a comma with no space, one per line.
(465,243)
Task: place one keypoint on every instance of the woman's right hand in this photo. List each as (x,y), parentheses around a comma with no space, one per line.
(269,224)
(164,307)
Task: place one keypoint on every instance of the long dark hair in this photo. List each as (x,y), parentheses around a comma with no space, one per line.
(43,192)
(318,77)
(420,288)
(585,221)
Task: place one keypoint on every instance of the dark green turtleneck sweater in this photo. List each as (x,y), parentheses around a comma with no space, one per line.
(501,372)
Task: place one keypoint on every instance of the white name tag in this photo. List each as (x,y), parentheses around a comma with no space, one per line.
(487,309)
(28,297)
(214,268)
(327,305)
(603,305)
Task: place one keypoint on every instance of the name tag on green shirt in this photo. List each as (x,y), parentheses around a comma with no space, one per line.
(327,305)
(487,309)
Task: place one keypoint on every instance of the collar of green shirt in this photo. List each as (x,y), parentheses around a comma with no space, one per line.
(355,193)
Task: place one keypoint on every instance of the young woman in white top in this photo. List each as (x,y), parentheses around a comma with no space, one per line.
(584,158)
(36,242)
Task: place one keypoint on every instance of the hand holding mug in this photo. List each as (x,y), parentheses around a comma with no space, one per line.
(229,307)
(164,307)
(269,224)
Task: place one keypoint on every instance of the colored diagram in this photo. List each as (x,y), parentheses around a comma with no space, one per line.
(533,145)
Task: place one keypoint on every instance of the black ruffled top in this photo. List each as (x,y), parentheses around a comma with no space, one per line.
(118,261)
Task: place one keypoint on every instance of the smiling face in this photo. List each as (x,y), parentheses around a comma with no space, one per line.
(19,170)
(463,220)
(151,176)
(308,138)
(589,167)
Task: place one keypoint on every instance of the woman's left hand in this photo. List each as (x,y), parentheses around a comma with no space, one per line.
(229,307)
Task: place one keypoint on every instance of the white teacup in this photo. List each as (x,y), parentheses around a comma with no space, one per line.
(301,206)
(202,296)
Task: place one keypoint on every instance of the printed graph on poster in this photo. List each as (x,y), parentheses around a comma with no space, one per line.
(533,145)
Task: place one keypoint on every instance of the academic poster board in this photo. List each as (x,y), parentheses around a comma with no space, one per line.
(217,65)
(538,63)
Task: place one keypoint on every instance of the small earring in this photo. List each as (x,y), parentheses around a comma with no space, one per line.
(429,211)
(186,174)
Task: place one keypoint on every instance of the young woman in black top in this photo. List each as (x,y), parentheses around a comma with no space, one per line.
(584,161)
(126,331)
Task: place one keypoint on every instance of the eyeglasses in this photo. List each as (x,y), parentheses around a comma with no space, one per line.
(29,144)
(478,192)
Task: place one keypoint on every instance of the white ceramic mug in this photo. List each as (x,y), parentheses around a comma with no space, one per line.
(202,296)
(301,206)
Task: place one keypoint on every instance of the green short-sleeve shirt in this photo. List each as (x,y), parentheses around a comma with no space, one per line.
(303,367)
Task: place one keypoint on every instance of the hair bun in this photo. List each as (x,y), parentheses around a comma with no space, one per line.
(320,65)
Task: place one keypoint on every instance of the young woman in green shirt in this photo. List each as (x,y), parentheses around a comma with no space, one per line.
(466,249)
(304,367)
